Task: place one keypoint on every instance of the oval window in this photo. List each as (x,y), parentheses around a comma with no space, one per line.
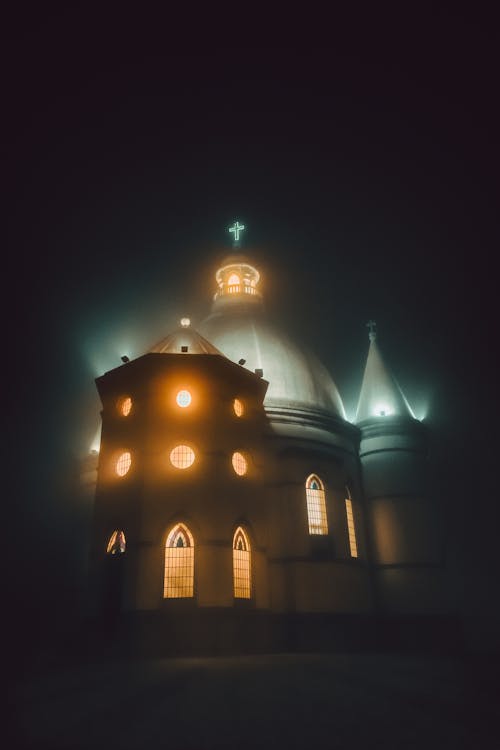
(123,464)
(183,398)
(125,406)
(239,464)
(182,456)
(238,407)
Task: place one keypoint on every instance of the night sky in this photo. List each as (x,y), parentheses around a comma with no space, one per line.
(364,170)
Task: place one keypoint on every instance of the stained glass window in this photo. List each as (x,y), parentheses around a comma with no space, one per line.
(241,564)
(316,505)
(179,564)
(350,526)
(116,544)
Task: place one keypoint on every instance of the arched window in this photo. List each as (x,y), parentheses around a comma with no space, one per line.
(316,506)
(116,544)
(241,564)
(233,283)
(350,524)
(179,564)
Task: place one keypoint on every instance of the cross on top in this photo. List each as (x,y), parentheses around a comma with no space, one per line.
(372,330)
(236,229)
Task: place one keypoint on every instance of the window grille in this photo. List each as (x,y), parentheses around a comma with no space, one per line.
(179,564)
(316,506)
(350,527)
(123,464)
(241,564)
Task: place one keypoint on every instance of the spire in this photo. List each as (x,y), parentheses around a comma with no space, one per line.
(380,395)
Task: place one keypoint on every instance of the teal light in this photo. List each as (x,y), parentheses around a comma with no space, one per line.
(236,229)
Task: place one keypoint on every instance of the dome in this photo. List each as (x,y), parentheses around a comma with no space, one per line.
(239,328)
(297,379)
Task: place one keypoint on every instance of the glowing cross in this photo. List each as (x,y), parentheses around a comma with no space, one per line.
(236,229)
(372,330)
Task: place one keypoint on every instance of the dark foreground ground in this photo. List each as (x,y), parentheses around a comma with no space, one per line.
(285,700)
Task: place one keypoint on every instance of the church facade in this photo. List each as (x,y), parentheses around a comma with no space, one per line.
(236,509)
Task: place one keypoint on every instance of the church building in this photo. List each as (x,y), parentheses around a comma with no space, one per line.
(237,509)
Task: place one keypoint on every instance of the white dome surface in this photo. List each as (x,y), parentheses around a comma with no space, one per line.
(297,379)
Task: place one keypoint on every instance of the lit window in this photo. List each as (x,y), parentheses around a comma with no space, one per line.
(182,456)
(350,527)
(233,284)
(238,407)
(239,464)
(125,406)
(123,464)
(241,564)
(316,506)
(116,544)
(179,564)
(183,398)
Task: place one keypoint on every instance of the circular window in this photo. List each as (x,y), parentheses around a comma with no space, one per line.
(123,464)
(238,407)
(125,406)
(183,399)
(182,456)
(239,464)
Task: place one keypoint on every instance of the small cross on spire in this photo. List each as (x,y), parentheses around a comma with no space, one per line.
(372,330)
(236,229)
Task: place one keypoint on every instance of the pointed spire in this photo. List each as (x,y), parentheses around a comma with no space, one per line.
(380,395)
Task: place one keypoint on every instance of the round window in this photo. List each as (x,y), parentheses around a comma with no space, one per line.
(239,464)
(123,464)
(182,456)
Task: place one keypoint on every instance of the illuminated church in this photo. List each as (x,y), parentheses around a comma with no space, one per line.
(236,508)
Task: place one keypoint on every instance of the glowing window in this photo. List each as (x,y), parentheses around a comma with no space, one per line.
(316,506)
(182,456)
(238,407)
(183,398)
(179,564)
(350,527)
(125,406)
(233,279)
(123,464)
(241,564)
(116,544)
(239,464)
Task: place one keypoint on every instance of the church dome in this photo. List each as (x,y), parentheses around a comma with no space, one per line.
(238,327)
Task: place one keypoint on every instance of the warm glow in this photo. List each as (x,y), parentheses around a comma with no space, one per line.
(183,399)
(185,322)
(233,284)
(125,406)
(239,464)
(182,456)
(116,544)
(123,464)
(179,564)
(238,407)
(350,527)
(241,564)
(316,506)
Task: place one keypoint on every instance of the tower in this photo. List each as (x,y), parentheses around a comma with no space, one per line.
(402,516)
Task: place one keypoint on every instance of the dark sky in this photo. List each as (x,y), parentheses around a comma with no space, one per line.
(364,170)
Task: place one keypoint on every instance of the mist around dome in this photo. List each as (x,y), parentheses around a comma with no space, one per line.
(238,326)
